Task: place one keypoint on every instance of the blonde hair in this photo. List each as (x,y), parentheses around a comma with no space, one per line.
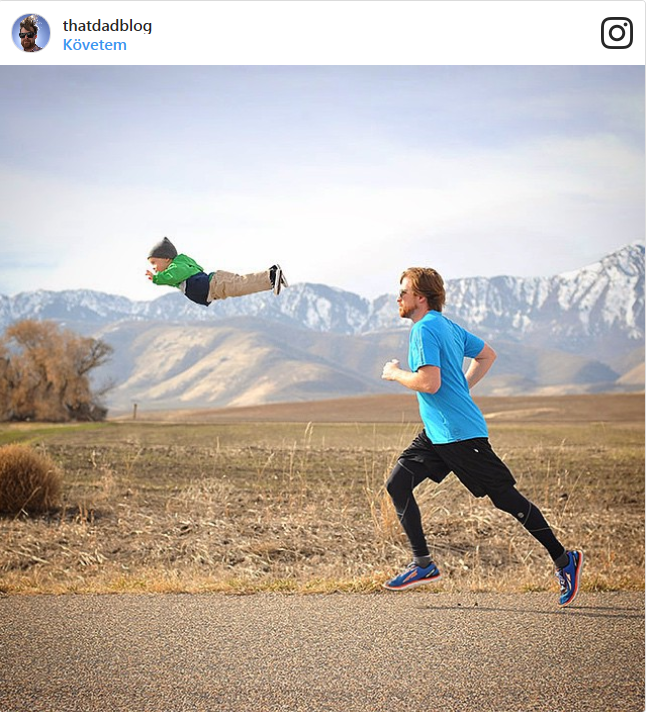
(428,283)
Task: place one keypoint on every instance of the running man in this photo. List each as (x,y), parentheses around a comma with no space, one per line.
(455,436)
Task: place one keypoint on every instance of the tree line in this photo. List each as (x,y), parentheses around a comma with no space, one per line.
(45,373)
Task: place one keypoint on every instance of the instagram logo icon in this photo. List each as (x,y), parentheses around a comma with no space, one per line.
(616,33)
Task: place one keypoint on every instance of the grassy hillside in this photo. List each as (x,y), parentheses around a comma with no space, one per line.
(249,361)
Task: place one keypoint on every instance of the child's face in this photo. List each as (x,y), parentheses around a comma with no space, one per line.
(159,263)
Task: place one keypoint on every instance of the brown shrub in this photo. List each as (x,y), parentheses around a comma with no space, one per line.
(29,481)
(45,373)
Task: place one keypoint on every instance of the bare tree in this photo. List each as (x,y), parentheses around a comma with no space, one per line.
(45,373)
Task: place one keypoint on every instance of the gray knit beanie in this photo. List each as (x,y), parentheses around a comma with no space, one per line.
(165,248)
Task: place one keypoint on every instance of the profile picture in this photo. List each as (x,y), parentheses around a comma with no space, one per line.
(30,33)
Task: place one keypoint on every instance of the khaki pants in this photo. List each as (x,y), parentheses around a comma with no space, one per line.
(228,284)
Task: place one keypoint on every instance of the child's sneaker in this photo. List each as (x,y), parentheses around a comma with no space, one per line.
(414,575)
(568,577)
(277,278)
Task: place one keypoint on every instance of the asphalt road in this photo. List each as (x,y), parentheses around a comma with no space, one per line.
(401,651)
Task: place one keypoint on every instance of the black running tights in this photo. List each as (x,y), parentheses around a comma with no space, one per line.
(408,474)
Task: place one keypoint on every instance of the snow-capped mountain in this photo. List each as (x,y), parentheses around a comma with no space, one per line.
(599,308)
(594,314)
(571,308)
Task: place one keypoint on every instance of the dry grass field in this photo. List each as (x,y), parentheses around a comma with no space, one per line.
(291,498)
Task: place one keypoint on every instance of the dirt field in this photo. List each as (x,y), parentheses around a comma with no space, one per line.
(403,409)
(290,497)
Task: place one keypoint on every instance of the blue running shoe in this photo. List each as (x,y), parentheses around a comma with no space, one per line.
(568,577)
(414,575)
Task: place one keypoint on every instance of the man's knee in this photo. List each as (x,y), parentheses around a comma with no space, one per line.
(405,476)
(510,500)
(400,481)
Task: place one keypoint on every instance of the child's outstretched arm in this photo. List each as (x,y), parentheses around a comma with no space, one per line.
(177,272)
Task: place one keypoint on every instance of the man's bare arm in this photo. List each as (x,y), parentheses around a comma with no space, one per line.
(480,365)
(426,379)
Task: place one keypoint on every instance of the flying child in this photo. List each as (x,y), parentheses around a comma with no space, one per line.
(183,272)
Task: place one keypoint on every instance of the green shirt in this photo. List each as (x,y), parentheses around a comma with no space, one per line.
(178,271)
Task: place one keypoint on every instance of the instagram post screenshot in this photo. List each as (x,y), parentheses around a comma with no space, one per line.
(322,355)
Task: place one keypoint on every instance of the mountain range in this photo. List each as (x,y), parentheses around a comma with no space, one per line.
(576,332)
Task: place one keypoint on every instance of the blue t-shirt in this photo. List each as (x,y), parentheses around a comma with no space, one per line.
(450,415)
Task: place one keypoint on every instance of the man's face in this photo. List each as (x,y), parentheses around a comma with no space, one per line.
(159,263)
(410,304)
(26,41)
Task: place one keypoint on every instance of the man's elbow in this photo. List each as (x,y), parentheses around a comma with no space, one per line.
(432,387)
(429,380)
(489,354)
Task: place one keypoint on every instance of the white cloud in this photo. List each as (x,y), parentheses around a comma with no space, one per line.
(538,207)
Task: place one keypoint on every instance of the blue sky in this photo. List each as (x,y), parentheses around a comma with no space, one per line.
(344,175)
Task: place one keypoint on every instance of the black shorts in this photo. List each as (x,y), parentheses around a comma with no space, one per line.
(473,461)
